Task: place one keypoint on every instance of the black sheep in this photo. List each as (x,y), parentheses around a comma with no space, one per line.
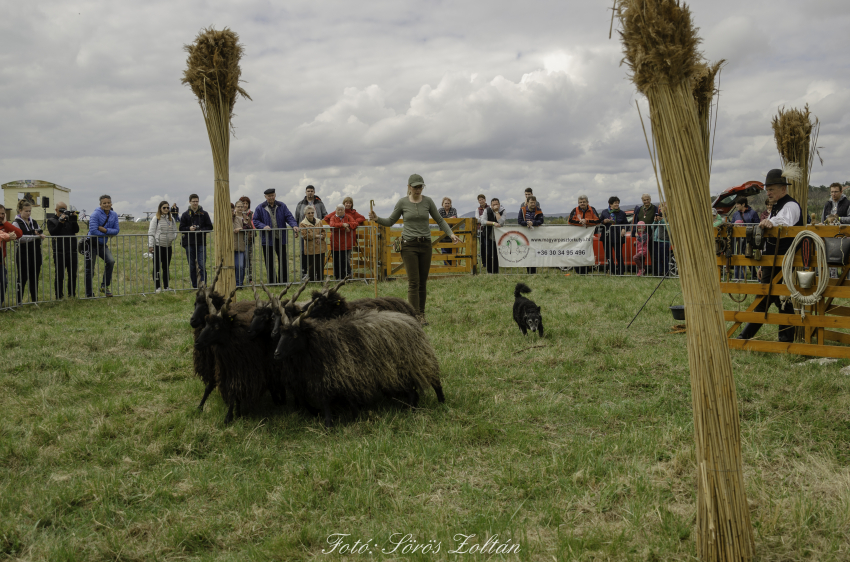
(203,359)
(357,358)
(329,303)
(243,371)
(266,318)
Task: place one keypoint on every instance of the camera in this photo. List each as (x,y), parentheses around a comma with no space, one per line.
(68,213)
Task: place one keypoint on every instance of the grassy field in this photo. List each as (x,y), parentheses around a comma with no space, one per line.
(577,446)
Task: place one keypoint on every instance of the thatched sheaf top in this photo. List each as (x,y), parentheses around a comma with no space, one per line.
(212,67)
(792,129)
(659,41)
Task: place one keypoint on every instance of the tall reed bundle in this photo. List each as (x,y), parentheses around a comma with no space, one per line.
(212,71)
(796,139)
(660,46)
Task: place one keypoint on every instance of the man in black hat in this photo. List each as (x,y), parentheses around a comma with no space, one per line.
(786,212)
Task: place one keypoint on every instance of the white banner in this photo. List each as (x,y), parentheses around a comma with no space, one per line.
(545,246)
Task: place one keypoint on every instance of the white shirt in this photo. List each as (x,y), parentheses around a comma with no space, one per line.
(788,216)
(482,219)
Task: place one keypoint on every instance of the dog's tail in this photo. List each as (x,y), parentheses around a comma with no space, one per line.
(521,288)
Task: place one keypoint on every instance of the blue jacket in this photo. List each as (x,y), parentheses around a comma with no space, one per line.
(619,217)
(262,219)
(750,216)
(109,222)
(536,221)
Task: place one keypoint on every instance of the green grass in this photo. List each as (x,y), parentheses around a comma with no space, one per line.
(578,446)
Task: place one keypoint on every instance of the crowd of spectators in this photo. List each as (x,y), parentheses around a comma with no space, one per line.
(311,223)
(322,232)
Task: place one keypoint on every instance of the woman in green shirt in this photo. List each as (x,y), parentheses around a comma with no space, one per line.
(416,239)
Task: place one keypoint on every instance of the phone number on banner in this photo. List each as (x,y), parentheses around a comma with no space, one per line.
(561,253)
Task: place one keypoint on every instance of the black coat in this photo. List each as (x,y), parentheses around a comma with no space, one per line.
(619,217)
(200,220)
(843,208)
(68,227)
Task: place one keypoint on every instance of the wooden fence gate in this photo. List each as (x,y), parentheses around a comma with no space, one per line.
(462,261)
(826,323)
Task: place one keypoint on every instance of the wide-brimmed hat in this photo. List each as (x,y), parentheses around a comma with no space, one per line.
(415,180)
(790,172)
(774,177)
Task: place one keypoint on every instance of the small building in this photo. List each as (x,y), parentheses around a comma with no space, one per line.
(42,194)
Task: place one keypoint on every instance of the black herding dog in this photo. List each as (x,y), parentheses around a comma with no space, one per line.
(526,313)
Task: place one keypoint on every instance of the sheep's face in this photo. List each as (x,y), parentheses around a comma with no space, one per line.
(276,325)
(201,308)
(216,332)
(262,321)
(292,340)
(292,312)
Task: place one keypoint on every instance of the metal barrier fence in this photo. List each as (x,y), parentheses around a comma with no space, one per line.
(38,270)
(620,250)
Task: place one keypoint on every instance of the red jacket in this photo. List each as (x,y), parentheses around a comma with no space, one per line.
(360,218)
(5,229)
(344,239)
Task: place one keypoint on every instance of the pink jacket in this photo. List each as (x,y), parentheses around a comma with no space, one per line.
(641,239)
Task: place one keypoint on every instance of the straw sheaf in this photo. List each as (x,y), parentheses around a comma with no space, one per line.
(659,42)
(792,130)
(796,132)
(212,67)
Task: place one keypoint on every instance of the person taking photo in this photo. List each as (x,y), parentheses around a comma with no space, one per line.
(63,227)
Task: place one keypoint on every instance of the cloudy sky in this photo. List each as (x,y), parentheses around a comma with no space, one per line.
(353,97)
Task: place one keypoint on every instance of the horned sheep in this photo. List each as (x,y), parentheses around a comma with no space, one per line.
(357,358)
(244,370)
(204,359)
(329,303)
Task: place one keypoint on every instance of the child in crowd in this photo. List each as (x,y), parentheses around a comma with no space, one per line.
(641,248)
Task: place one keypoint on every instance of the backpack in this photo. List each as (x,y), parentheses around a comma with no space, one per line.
(84,245)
